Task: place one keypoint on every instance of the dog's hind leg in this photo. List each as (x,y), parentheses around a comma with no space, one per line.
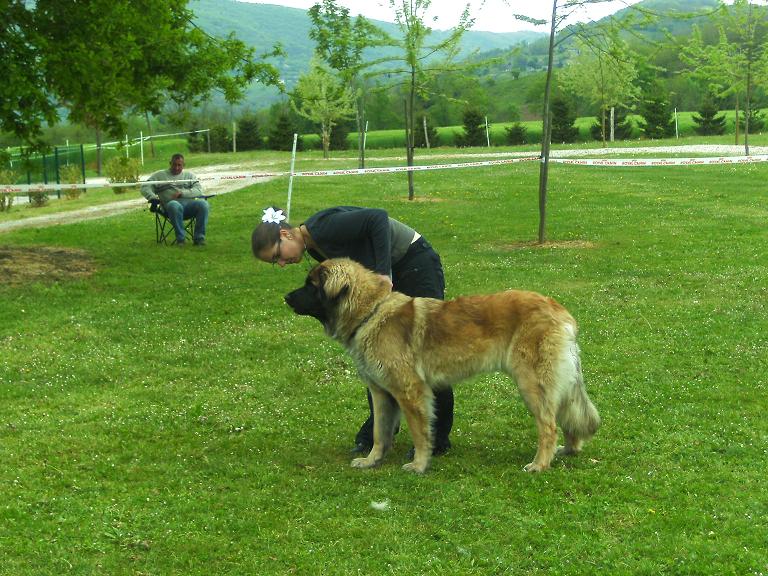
(386,416)
(537,394)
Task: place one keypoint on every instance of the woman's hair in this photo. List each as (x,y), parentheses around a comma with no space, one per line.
(267,234)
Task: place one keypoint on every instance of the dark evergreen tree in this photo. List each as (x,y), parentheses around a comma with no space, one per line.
(339,135)
(418,135)
(622,125)
(221,141)
(281,135)
(248,134)
(563,119)
(197,141)
(516,134)
(708,123)
(656,111)
(756,120)
(474,129)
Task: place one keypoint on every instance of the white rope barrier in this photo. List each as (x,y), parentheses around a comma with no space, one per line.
(615,163)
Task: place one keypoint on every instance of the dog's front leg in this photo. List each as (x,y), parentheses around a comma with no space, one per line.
(386,416)
(418,405)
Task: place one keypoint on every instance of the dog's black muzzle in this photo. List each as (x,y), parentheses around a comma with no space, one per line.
(307,301)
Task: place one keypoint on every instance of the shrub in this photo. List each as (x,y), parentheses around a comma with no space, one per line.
(38,199)
(70,174)
(197,141)
(474,130)
(281,135)
(563,119)
(221,141)
(6,200)
(622,125)
(707,121)
(248,134)
(516,134)
(756,120)
(656,111)
(419,141)
(122,169)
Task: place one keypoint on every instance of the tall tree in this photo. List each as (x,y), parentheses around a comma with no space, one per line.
(603,72)
(340,44)
(321,98)
(418,61)
(735,64)
(103,58)
(25,104)
(561,11)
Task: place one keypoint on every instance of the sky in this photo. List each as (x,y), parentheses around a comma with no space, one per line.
(490,15)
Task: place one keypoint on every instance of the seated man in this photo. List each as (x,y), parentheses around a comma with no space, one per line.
(180,200)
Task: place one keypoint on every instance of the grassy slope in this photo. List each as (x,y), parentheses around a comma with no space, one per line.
(171,416)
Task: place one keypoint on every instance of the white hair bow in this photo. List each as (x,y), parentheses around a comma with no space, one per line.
(273,216)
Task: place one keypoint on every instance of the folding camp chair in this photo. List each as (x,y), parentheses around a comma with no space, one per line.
(163,226)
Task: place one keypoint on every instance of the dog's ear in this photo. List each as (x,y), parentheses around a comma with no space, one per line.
(341,293)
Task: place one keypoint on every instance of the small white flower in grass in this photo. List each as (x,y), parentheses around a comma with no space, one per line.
(383,505)
(273,216)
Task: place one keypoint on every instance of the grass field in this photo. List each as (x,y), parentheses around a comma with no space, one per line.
(168,414)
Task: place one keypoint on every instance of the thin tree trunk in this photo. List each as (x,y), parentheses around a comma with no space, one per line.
(98,152)
(149,133)
(409,132)
(546,134)
(360,149)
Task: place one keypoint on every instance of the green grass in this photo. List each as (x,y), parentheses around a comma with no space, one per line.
(170,415)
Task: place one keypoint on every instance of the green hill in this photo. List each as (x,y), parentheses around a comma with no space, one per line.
(263,25)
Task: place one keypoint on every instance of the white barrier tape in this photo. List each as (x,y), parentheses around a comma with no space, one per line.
(14,189)
(27,188)
(390,170)
(663,161)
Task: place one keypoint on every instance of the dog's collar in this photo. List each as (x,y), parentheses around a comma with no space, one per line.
(363,322)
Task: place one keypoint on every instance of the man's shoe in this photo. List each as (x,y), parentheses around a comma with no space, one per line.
(181,244)
(199,242)
(361,448)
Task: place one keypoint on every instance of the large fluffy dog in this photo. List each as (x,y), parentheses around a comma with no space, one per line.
(405,347)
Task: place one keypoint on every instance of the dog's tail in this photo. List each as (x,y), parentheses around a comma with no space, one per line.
(577,415)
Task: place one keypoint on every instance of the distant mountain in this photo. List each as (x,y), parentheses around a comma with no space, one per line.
(263,25)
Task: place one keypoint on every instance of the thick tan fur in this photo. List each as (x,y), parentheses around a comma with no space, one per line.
(406,347)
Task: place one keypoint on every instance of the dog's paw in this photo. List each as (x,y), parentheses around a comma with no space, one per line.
(566,451)
(414,468)
(534,467)
(363,463)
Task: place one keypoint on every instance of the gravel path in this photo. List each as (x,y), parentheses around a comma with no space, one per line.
(225,186)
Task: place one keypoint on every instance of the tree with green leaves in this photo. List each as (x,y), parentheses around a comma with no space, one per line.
(323,99)
(419,61)
(102,59)
(25,104)
(737,62)
(561,10)
(604,73)
(340,42)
